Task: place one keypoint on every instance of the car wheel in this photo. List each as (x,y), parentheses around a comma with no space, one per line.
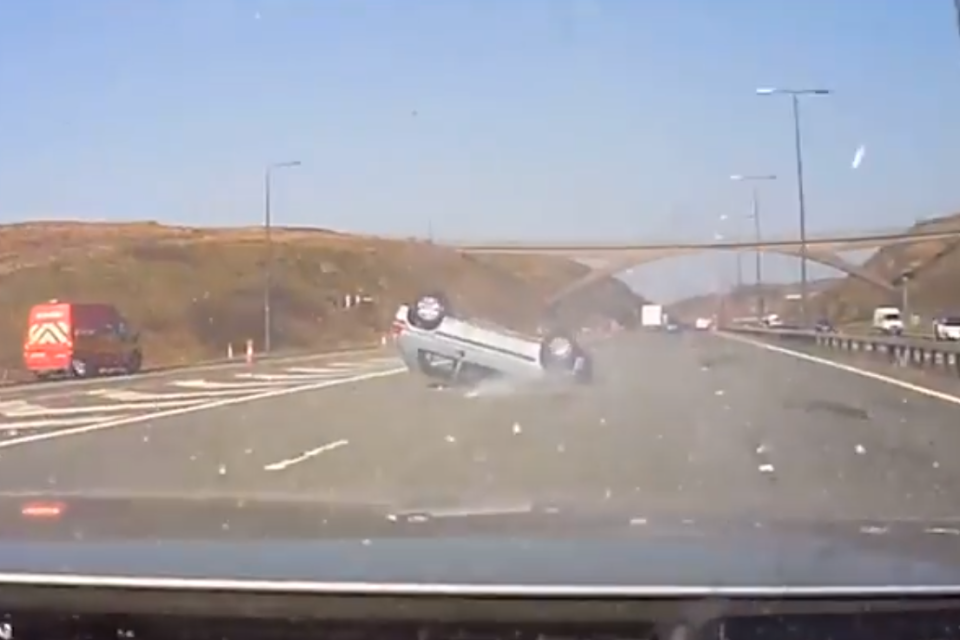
(558,351)
(428,311)
(134,362)
(82,369)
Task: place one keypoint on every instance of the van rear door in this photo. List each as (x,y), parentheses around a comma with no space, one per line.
(48,345)
(98,342)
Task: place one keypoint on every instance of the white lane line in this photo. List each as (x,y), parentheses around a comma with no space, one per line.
(66,385)
(315,371)
(872,375)
(17,405)
(207,384)
(38,410)
(281,377)
(26,425)
(216,404)
(130,395)
(306,455)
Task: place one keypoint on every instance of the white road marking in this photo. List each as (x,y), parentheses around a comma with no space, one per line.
(315,371)
(872,375)
(25,425)
(306,455)
(217,366)
(206,384)
(17,405)
(280,377)
(37,410)
(216,404)
(130,395)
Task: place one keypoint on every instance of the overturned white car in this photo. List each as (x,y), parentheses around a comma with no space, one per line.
(435,342)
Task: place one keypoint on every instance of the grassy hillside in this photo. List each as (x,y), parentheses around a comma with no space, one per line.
(193,291)
(934,289)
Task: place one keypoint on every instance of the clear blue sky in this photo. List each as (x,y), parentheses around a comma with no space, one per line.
(544,119)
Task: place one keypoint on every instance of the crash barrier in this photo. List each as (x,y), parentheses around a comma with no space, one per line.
(909,334)
(907,352)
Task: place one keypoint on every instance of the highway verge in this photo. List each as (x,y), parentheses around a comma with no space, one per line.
(195,295)
(926,355)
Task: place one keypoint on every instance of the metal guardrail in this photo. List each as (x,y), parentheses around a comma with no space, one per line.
(916,352)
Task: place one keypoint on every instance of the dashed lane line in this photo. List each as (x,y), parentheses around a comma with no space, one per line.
(306,455)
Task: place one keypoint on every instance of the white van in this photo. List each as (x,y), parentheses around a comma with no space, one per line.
(888,320)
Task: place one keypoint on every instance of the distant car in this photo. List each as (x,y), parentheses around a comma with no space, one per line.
(823,326)
(947,328)
(703,324)
(888,320)
(773,321)
(435,342)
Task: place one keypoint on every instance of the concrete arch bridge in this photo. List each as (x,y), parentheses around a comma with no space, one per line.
(826,250)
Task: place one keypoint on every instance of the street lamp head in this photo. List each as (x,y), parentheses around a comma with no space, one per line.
(737,177)
(284,165)
(769,91)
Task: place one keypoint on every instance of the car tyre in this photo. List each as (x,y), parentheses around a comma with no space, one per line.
(428,311)
(558,352)
(83,369)
(134,363)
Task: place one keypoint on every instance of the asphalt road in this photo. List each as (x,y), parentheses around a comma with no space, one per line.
(689,426)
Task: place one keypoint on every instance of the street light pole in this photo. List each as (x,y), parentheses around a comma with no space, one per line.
(739,272)
(268,238)
(801,203)
(757,237)
(757,254)
(725,288)
(795,95)
(737,287)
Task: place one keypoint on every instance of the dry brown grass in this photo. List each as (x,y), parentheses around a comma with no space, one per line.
(933,291)
(850,302)
(193,291)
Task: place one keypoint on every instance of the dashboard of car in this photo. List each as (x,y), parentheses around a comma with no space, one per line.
(94,612)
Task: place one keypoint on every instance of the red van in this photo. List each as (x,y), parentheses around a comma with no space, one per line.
(79,340)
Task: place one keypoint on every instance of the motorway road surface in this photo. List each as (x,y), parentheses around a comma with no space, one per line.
(684,425)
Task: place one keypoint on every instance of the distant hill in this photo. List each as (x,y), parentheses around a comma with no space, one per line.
(192,291)
(934,288)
